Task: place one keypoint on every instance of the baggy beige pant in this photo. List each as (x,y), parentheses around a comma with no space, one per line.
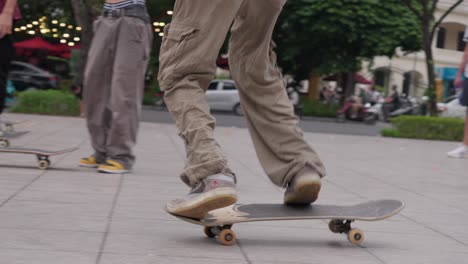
(113,85)
(187,65)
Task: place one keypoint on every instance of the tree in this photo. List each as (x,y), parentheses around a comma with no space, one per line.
(424,11)
(331,37)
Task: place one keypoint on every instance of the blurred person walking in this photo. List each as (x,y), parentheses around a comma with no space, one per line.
(114,82)
(9,13)
(462,150)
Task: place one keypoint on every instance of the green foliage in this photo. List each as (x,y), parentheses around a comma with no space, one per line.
(335,36)
(423,127)
(49,102)
(317,108)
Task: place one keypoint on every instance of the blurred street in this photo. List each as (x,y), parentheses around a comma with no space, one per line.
(308,124)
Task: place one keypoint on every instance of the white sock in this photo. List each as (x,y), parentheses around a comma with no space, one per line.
(221,177)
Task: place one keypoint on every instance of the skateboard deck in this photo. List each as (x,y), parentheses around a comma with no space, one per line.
(219,222)
(5,137)
(43,161)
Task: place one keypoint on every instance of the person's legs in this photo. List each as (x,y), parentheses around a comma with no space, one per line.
(279,142)
(7,52)
(134,38)
(462,150)
(187,65)
(96,94)
(465,138)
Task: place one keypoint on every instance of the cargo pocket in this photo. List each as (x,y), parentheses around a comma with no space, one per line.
(176,46)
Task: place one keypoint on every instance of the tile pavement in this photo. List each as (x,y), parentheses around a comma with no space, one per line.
(74,215)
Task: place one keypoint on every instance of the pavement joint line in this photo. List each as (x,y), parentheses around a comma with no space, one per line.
(369,175)
(243,252)
(433,229)
(109,221)
(372,254)
(31,182)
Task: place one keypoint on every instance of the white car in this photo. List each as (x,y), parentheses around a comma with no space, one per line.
(222,95)
(453,108)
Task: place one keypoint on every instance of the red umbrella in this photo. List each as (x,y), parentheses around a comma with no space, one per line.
(36,43)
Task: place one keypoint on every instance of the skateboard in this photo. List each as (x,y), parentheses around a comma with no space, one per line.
(5,137)
(219,222)
(43,161)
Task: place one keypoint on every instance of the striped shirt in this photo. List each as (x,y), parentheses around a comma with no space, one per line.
(123,4)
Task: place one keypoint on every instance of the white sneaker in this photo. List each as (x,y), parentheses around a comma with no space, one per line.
(459,153)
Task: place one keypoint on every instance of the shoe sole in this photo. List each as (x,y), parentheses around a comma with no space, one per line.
(304,193)
(113,171)
(202,205)
(458,157)
(89,166)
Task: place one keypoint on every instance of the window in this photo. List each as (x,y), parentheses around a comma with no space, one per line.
(213,86)
(441,38)
(461,43)
(229,86)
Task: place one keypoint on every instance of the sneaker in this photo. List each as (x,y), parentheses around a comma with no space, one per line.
(89,162)
(112,166)
(209,194)
(304,188)
(460,152)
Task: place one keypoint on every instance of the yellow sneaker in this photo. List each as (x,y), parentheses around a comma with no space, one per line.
(112,166)
(89,162)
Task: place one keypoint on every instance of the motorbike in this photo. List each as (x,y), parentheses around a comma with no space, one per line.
(368,113)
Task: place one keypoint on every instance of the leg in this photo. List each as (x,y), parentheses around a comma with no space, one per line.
(7,52)
(97,86)
(187,65)
(278,140)
(465,140)
(131,60)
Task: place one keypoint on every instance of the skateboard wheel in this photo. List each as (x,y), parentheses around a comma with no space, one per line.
(227,237)
(43,164)
(356,236)
(336,226)
(4,143)
(208,232)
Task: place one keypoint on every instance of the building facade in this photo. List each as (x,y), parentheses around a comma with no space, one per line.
(408,71)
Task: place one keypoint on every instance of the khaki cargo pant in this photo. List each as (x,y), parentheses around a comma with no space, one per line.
(113,85)
(187,65)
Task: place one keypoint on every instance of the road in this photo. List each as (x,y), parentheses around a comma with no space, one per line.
(308,124)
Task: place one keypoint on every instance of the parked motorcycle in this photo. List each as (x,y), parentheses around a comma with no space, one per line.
(368,113)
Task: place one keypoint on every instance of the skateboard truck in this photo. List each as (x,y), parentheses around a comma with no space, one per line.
(355,235)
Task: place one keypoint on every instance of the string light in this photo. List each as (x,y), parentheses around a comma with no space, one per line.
(63,41)
(55,22)
(78,28)
(71,44)
(170,12)
(76,39)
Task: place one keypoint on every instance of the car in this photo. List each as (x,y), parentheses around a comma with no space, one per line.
(452,108)
(222,95)
(26,76)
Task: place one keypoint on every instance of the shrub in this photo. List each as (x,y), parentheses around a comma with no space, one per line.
(316,108)
(424,127)
(49,102)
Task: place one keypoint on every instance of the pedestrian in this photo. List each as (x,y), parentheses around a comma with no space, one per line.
(9,13)
(462,150)
(114,83)
(187,65)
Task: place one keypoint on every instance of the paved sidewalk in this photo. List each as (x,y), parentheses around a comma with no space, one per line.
(74,215)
